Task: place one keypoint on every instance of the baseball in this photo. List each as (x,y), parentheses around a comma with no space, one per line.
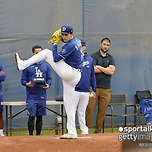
(91,95)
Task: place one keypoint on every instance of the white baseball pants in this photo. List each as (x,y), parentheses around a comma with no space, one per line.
(81,100)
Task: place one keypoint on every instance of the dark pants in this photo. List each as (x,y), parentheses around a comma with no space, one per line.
(38,124)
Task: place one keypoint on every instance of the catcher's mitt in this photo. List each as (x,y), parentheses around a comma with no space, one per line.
(56,37)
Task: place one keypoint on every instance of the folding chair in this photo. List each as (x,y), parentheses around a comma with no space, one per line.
(118,101)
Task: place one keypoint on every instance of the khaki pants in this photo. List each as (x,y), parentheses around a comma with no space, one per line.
(103,96)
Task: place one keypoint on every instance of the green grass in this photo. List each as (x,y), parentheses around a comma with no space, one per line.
(52,132)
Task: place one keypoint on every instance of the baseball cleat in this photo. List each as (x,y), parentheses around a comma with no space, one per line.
(2,135)
(69,136)
(18,62)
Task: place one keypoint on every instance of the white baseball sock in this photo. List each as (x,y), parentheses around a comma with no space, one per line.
(1,132)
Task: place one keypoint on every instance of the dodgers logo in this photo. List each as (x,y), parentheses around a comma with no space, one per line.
(38,72)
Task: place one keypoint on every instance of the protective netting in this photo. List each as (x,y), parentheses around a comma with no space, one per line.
(127,23)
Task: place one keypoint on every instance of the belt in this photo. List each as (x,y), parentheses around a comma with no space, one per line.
(77,69)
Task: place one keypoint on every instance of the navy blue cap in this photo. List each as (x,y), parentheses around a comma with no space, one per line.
(66,29)
(83,42)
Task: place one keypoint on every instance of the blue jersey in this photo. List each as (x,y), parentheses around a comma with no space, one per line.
(2,77)
(71,53)
(87,76)
(40,71)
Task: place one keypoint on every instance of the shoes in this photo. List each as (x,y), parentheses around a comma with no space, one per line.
(2,135)
(84,133)
(18,62)
(69,136)
(97,132)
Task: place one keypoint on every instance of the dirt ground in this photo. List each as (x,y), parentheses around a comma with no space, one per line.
(85,143)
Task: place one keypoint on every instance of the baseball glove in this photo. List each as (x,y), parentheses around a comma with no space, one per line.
(56,37)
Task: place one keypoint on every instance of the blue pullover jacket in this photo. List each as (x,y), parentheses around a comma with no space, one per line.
(2,77)
(87,76)
(40,71)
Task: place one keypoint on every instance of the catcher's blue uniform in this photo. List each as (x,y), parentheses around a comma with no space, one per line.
(36,95)
(2,78)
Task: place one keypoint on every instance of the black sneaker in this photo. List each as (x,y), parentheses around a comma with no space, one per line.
(97,132)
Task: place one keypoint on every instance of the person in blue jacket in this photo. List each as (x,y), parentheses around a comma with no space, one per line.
(82,89)
(37,79)
(2,78)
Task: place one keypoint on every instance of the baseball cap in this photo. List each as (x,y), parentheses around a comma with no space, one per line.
(83,42)
(66,29)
